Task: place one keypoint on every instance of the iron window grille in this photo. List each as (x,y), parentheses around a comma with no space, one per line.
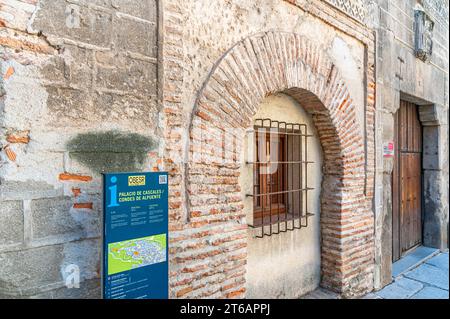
(280,176)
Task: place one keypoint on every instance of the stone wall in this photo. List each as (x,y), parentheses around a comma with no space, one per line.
(401,75)
(79,95)
(90,86)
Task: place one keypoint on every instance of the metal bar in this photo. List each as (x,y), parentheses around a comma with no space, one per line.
(300,197)
(280,155)
(261,201)
(270,183)
(282,162)
(290,218)
(282,192)
(294,180)
(306,174)
(285,181)
(292,175)
(282,133)
(267,199)
(303,154)
(256,177)
(263,191)
(268,174)
(271,191)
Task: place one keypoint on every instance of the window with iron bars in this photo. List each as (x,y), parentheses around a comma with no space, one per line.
(280,176)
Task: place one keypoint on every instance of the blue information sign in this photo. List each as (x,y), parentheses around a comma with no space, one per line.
(135,236)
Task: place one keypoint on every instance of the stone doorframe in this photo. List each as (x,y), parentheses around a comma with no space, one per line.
(435,207)
(435,218)
(254,68)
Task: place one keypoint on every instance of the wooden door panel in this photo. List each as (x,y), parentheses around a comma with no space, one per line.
(410,200)
(407,181)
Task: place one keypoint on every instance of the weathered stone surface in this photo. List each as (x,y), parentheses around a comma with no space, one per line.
(31,268)
(102,3)
(385,241)
(432,159)
(435,217)
(52,217)
(89,289)
(75,22)
(111,151)
(143,9)
(68,106)
(11,221)
(130,75)
(140,110)
(36,272)
(79,65)
(432,115)
(86,255)
(18,190)
(141,37)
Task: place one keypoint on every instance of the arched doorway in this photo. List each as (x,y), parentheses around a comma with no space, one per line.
(254,68)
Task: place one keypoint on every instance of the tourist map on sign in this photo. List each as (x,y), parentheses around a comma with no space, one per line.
(135,253)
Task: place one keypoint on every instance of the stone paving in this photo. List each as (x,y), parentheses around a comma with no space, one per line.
(320,293)
(429,280)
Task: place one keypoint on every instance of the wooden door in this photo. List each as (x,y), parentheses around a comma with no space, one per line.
(407,181)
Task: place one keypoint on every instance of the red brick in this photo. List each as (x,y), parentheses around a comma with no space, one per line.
(83,205)
(74,177)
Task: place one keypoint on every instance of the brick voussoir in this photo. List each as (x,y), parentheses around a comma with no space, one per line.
(274,62)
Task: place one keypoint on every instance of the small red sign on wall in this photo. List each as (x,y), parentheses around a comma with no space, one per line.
(388,149)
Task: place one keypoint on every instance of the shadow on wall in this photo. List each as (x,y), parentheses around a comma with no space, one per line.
(111,151)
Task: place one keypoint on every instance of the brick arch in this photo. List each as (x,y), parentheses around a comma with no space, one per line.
(254,68)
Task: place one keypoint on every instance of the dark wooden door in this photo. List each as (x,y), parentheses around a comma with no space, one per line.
(407,181)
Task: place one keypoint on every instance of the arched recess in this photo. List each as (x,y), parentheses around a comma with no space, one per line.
(254,68)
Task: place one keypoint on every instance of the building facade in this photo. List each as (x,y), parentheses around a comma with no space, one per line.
(277,121)
(407,76)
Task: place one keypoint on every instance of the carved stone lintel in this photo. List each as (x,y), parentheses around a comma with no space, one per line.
(432,115)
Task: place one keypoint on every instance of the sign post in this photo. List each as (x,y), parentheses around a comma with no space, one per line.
(135,236)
